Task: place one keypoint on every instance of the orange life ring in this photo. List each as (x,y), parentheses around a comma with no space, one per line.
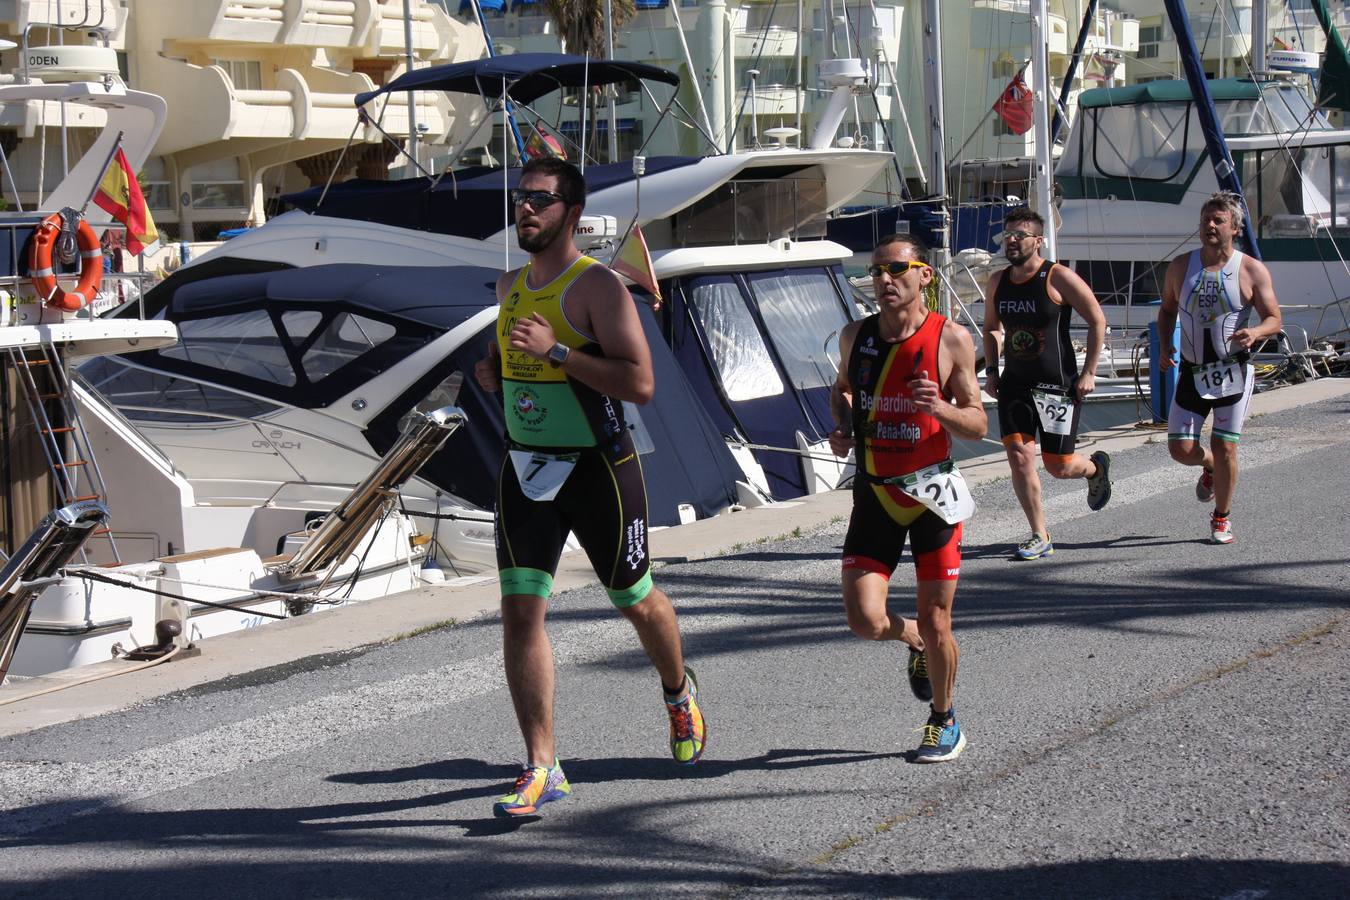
(44,276)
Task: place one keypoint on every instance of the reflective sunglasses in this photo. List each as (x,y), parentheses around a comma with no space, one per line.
(1018,235)
(536,199)
(895,269)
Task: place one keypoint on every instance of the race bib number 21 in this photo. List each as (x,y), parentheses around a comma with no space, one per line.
(942,488)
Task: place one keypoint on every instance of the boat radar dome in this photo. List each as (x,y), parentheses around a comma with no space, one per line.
(782,134)
(1293,61)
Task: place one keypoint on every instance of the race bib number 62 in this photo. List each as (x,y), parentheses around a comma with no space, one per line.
(1055,412)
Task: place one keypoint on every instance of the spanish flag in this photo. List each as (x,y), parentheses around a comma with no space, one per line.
(120,196)
(634,261)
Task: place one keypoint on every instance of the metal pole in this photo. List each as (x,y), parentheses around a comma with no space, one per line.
(801,80)
(937,183)
(1040,79)
(412,95)
(609,89)
(1259,37)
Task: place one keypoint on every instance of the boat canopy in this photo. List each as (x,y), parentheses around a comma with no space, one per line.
(1169,90)
(470,203)
(526,76)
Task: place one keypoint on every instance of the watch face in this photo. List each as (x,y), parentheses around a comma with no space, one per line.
(559,352)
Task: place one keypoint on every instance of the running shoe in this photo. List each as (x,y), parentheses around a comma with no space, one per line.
(1099,485)
(1221,530)
(1035,547)
(1204,488)
(918,675)
(941,741)
(535,786)
(687,729)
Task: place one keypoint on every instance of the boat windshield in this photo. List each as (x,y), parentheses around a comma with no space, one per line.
(803,315)
(802,311)
(146,396)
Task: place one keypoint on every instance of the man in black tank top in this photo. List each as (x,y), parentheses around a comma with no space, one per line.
(1039,389)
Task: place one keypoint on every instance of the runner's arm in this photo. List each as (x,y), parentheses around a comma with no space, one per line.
(488,370)
(1167,311)
(992,334)
(1076,292)
(605,308)
(1263,298)
(964,416)
(841,395)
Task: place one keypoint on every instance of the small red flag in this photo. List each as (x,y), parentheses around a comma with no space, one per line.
(1014,106)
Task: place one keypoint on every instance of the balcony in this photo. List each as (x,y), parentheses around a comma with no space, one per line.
(770,100)
(771,42)
(87,15)
(372,26)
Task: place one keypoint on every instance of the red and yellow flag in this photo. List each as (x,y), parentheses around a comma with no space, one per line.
(634,261)
(119,194)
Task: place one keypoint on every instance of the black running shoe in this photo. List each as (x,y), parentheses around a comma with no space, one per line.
(918,675)
(1099,484)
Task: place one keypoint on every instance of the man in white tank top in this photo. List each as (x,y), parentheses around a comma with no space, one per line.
(1214,291)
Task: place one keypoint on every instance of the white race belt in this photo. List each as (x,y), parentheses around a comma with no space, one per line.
(1226,378)
(941,488)
(541,475)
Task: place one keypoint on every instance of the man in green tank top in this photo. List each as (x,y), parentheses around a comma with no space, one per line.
(569,350)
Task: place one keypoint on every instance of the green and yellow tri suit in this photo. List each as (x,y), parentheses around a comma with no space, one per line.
(604,498)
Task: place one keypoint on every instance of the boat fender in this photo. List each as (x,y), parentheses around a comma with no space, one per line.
(42,273)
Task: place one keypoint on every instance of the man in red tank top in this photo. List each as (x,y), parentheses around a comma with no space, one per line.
(906,381)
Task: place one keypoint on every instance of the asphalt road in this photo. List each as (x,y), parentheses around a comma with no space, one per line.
(1148,715)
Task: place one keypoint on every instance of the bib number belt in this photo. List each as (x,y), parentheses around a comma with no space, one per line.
(941,488)
(542,475)
(1055,412)
(1226,378)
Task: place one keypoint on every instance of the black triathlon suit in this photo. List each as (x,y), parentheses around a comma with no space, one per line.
(1037,355)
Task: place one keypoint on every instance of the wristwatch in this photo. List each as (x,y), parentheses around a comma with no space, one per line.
(558,353)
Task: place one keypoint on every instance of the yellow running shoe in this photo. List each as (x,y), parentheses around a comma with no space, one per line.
(688,731)
(535,786)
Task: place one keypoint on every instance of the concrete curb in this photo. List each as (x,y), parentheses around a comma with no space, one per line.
(397,616)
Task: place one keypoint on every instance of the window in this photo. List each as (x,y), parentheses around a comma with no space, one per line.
(738,351)
(803,316)
(342,340)
(1150,37)
(244,344)
(1145,141)
(1003,67)
(164,398)
(246,74)
(217,185)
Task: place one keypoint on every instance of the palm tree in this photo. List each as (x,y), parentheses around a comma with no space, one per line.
(581,25)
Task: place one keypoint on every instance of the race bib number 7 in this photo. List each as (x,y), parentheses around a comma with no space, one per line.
(1221,379)
(1055,412)
(542,475)
(942,488)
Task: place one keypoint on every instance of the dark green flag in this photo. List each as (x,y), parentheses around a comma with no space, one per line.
(1333,85)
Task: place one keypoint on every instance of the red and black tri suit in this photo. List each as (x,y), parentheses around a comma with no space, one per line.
(893,438)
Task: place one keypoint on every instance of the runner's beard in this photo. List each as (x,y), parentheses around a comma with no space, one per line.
(543,237)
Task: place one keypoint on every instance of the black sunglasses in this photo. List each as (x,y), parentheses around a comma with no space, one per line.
(895,269)
(536,199)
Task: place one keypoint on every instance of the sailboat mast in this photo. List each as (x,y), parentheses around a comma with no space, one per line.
(609,89)
(937,185)
(1224,169)
(1259,38)
(1040,78)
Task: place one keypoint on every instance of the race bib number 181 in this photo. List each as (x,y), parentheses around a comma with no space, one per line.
(1221,379)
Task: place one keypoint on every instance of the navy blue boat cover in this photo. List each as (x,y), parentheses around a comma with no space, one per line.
(470,203)
(526,76)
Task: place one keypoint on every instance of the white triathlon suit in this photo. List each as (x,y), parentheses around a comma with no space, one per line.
(1210,310)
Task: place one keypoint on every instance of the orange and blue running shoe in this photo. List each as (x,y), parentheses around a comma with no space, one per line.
(688,731)
(535,786)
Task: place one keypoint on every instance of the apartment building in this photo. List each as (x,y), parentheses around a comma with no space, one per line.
(259,94)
